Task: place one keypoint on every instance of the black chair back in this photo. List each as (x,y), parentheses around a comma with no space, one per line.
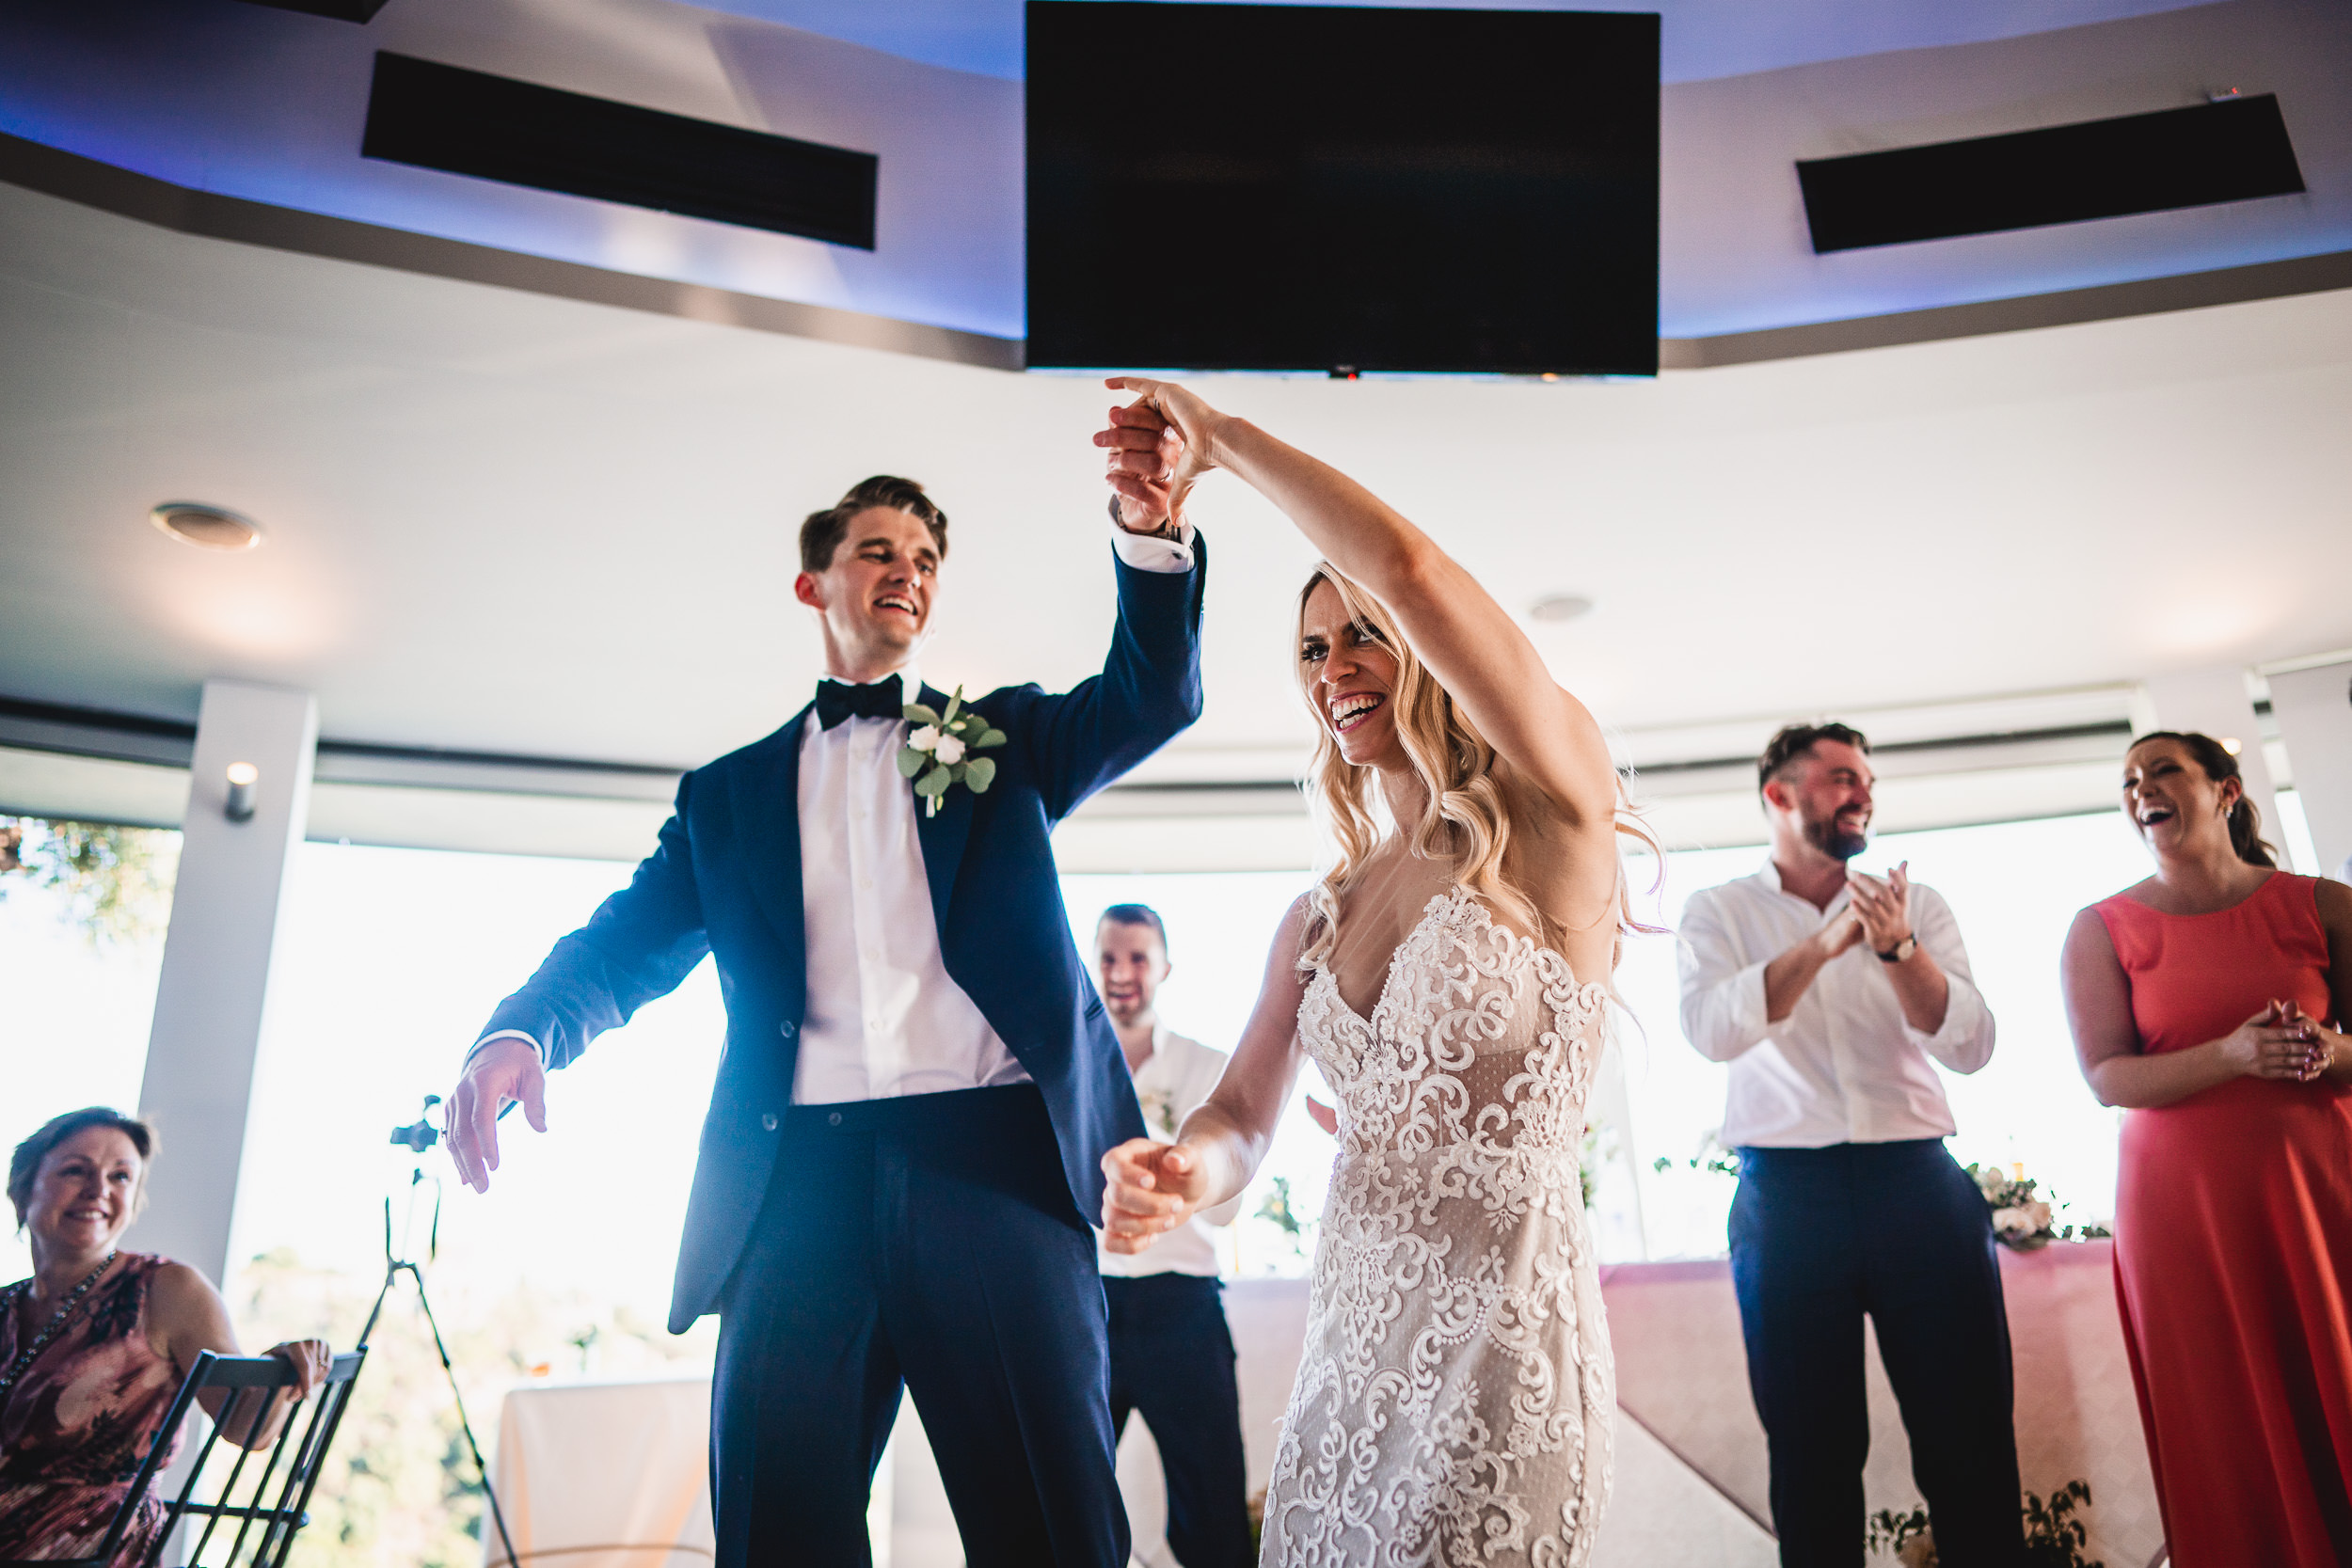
(264,1492)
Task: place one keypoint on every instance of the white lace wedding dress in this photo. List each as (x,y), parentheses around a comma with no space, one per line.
(1454,1404)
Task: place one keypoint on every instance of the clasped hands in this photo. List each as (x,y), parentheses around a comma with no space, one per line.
(2285,1043)
(1877,909)
(1159,446)
(1153,1188)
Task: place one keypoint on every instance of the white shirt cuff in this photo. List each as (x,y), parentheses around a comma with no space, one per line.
(1149,552)
(508,1035)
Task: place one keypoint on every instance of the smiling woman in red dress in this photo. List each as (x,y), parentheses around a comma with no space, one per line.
(2205,999)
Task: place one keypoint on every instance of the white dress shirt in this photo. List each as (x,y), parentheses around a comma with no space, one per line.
(884,1016)
(1170,1085)
(1845,1066)
(885,1019)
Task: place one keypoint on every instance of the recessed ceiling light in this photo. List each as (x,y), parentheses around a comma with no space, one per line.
(1560,607)
(208,528)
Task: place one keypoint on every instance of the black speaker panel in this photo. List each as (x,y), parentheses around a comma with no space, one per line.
(362,11)
(494,128)
(2233,150)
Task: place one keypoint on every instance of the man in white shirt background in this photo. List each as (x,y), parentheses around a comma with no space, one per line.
(1172,1354)
(1834,994)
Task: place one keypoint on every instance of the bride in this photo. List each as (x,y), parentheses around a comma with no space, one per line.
(1447,975)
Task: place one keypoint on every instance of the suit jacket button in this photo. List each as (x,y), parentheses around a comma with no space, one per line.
(768,1122)
(786,1029)
(832,1119)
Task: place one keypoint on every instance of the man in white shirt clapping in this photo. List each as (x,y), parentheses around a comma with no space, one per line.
(1833,994)
(1172,1354)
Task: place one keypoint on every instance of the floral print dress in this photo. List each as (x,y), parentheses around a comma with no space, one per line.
(78,1423)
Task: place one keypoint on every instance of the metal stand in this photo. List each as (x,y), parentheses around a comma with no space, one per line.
(419,1137)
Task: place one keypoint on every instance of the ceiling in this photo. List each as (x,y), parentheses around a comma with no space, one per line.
(1700,38)
(511,523)
(267,106)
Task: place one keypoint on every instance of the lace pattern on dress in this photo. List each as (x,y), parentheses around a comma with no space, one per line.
(1454,1404)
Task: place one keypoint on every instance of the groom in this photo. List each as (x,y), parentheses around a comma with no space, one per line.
(903,1142)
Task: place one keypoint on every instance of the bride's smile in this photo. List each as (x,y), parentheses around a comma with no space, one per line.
(1350,678)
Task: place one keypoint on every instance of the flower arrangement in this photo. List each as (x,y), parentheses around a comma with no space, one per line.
(2054,1537)
(940,751)
(1277,1210)
(2022,1219)
(1713,1157)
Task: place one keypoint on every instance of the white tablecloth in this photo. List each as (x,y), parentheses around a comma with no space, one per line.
(604,1475)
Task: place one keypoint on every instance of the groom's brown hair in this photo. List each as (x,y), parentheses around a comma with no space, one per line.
(822,535)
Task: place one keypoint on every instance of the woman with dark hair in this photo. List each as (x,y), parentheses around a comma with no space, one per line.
(95,1345)
(2206,1000)
(1447,974)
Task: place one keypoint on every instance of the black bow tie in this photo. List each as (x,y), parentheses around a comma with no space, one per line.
(836,701)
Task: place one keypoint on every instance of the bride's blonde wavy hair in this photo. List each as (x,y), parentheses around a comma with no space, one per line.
(1466,817)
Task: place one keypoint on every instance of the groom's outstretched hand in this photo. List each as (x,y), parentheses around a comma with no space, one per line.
(1154,1188)
(502,1074)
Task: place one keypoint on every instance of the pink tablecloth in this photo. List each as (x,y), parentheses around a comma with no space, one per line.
(1682,1373)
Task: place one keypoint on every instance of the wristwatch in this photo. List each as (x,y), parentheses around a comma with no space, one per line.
(1901,950)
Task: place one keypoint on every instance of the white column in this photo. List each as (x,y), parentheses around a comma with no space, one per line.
(2313,707)
(2214,703)
(199,1087)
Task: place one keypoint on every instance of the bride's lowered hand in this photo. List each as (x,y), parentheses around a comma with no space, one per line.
(1154,1188)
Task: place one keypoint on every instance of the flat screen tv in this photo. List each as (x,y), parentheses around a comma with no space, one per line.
(1348,189)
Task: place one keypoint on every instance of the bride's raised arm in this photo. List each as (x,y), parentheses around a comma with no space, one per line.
(1472,645)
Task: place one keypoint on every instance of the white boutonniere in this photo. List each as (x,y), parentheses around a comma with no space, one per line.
(941,749)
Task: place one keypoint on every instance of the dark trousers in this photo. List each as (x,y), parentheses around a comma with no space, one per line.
(1822,1236)
(930,1242)
(1172,1359)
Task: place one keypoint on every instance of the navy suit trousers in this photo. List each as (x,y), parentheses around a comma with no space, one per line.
(928,1243)
(1172,1362)
(1819,1237)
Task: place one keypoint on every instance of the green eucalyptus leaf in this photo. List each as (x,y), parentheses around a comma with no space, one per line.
(935,782)
(994,737)
(955,702)
(919,713)
(980,773)
(911,761)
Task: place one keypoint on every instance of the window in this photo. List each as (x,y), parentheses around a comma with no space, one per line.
(82,923)
(2014,888)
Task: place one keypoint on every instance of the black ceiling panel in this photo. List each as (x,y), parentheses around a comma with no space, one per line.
(2234,149)
(494,128)
(337,10)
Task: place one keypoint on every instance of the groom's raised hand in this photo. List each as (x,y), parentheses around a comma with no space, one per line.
(1154,1188)
(1154,458)
(1141,468)
(503,1072)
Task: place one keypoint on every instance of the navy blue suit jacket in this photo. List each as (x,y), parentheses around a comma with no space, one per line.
(726,880)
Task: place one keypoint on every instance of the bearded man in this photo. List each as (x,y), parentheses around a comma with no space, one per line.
(1833,993)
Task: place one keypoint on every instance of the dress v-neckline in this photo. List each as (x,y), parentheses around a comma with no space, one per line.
(1438,903)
